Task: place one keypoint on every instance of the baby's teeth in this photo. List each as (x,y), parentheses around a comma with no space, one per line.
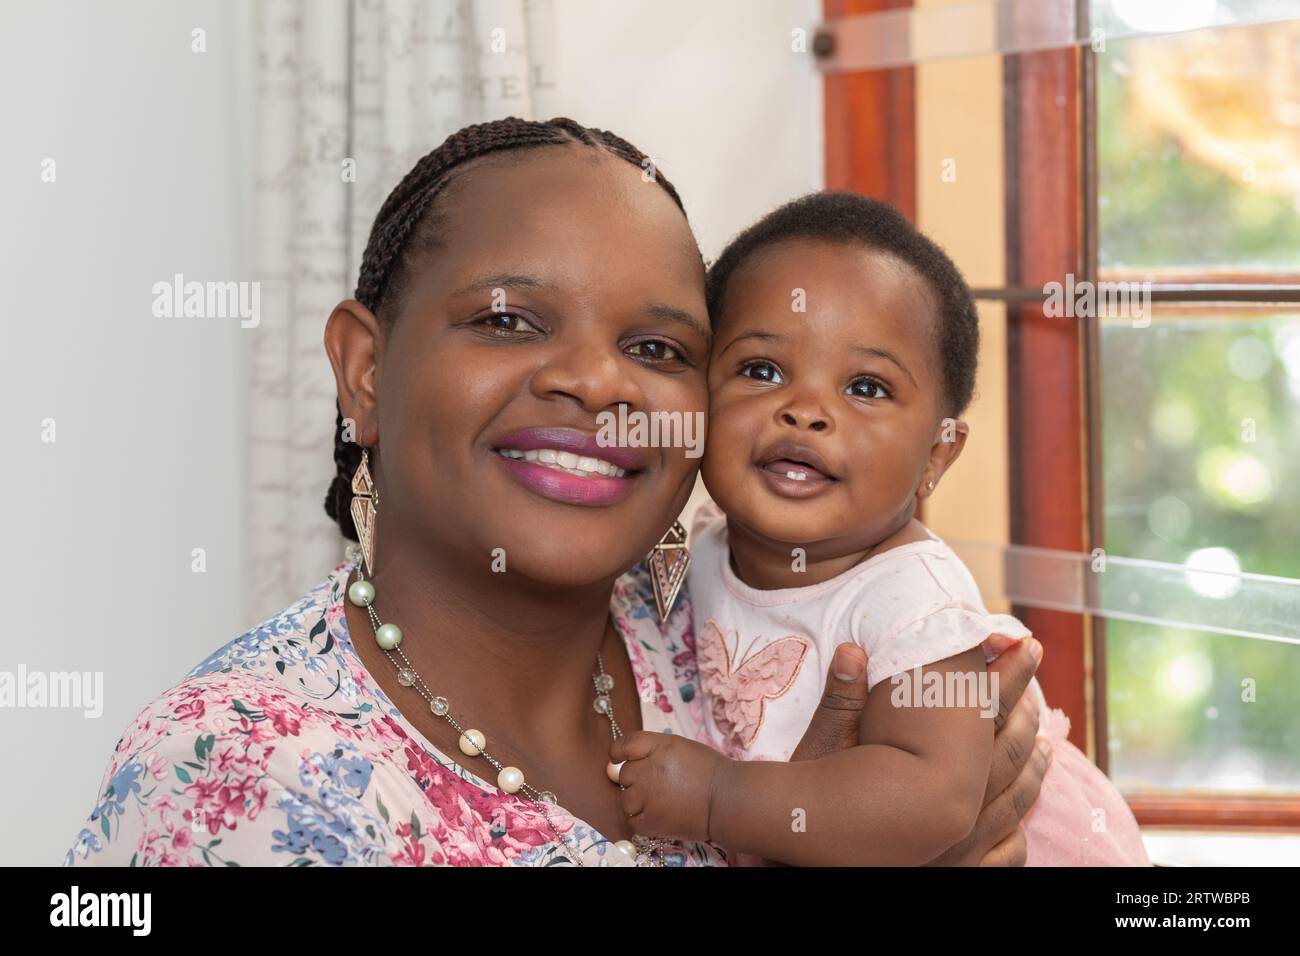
(566,459)
(797,475)
(546,456)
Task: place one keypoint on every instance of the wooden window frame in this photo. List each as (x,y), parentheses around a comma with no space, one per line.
(1053,377)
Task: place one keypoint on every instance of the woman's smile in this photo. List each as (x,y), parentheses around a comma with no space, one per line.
(569,465)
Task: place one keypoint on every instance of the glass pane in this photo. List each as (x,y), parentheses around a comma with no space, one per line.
(1201,451)
(1199,151)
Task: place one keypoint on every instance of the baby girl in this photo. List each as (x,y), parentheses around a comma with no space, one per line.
(845,346)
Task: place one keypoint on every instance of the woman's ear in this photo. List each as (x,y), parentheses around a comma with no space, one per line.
(354,343)
(949,440)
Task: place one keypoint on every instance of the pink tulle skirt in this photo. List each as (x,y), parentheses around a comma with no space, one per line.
(1079,818)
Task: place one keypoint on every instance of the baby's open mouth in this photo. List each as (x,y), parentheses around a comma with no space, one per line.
(796,470)
(795,461)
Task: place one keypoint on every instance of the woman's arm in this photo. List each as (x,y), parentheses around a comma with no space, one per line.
(911,788)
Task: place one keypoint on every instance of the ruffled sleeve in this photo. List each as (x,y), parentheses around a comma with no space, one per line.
(920,607)
(937,636)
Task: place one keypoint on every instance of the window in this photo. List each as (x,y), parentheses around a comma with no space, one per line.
(1151,466)
(1198,145)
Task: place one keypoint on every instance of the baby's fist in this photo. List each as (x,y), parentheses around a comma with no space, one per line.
(668,781)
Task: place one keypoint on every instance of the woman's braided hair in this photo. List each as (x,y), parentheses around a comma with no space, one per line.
(405,228)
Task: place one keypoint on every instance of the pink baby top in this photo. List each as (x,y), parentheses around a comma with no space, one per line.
(281,750)
(763,657)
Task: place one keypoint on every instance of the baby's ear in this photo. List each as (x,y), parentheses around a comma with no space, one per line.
(949,440)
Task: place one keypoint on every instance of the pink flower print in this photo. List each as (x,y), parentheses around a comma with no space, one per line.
(189,710)
(286,723)
(413,852)
(738,696)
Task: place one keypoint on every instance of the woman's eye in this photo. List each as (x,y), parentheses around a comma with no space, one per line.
(762,372)
(866,388)
(505,323)
(654,350)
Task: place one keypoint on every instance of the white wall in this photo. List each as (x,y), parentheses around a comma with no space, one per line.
(711,90)
(152,144)
(99,525)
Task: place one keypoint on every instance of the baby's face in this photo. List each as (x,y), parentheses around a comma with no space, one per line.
(821,421)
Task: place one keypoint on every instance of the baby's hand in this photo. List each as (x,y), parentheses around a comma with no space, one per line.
(668,780)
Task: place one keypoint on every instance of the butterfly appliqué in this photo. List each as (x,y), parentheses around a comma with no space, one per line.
(738,695)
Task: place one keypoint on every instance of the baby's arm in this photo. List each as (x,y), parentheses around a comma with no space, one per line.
(909,791)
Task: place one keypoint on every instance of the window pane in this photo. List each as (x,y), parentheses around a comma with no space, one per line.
(1199,151)
(1201,451)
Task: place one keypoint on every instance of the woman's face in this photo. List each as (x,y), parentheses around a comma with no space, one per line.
(564,287)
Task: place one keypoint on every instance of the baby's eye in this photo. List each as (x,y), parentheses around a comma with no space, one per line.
(655,350)
(762,372)
(505,323)
(867,388)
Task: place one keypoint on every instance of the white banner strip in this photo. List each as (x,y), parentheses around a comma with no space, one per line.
(1154,592)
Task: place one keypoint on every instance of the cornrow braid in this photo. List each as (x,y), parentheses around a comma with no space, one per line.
(409,212)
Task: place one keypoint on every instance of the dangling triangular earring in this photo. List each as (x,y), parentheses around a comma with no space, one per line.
(668,562)
(365,502)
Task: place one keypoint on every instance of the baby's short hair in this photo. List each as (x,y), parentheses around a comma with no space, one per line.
(849,218)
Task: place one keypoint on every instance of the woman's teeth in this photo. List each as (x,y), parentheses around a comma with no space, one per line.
(797,475)
(565,461)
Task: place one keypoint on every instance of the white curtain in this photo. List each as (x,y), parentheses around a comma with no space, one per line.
(380,83)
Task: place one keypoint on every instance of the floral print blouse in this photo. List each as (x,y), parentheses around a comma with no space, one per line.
(280,749)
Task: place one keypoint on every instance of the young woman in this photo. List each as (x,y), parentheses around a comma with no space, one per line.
(453,699)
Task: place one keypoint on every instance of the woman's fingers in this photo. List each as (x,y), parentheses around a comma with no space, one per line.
(1013,743)
(1010,852)
(834,725)
(1001,817)
(1015,668)
(997,839)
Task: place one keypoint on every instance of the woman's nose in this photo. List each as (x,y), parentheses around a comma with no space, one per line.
(591,373)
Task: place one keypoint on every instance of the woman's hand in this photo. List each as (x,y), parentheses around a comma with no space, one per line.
(1015,775)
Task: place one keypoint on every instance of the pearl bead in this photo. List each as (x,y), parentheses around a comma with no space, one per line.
(612,770)
(472,742)
(628,847)
(388,636)
(361,593)
(510,779)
